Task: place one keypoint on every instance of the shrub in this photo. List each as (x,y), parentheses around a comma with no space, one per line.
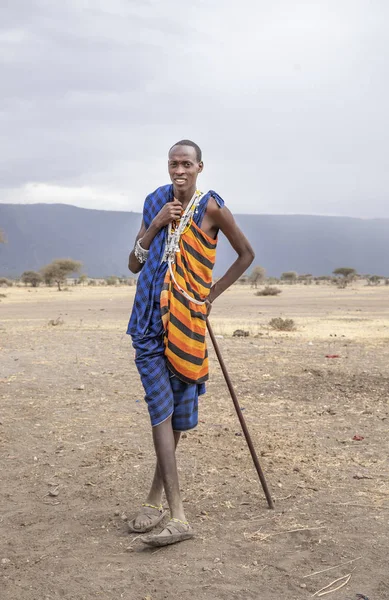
(6,282)
(374,280)
(348,274)
(269,291)
(83,279)
(257,275)
(112,280)
(31,277)
(281,324)
(92,282)
(59,270)
(289,276)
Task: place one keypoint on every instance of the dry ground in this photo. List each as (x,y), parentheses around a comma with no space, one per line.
(76,452)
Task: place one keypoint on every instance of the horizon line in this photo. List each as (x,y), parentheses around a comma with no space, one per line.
(288,214)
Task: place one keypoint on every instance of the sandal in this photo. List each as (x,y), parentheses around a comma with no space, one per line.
(178,532)
(149,511)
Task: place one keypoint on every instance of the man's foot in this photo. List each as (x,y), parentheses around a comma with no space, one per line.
(175,531)
(148,517)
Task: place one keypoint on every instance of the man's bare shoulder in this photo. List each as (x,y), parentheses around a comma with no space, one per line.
(214,209)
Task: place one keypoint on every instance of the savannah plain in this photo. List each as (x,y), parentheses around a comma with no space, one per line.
(77,456)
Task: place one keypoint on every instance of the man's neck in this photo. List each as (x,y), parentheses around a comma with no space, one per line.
(184,196)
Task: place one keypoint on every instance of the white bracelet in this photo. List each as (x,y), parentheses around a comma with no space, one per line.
(140,253)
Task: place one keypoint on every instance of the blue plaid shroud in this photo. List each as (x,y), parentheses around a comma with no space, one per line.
(165,394)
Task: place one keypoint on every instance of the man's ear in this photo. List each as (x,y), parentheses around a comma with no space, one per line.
(201,166)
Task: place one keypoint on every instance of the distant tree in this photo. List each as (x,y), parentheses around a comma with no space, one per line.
(306,279)
(31,277)
(83,279)
(112,280)
(243,280)
(59,269)
(2,237)
(344,271)
(374,280)
(289,276)
(257,275)
(347,274)
(5,282)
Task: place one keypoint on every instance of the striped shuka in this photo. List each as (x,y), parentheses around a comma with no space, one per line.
(184,321)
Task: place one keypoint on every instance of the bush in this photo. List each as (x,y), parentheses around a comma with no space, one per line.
(289,276)
(59,270)
(269,291)
(6,282)
(31,277)
(92,282)
(112,280)
(282,324)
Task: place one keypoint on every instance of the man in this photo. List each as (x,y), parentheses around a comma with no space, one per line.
(175,252)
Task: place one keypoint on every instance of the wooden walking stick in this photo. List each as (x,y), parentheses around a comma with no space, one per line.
(241,418)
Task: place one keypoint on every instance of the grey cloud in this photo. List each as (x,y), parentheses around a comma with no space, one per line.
(287,99)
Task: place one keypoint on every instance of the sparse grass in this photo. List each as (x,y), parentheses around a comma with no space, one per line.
(281,324)
(269,291)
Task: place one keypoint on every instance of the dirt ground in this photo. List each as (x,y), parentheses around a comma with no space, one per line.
(77,457)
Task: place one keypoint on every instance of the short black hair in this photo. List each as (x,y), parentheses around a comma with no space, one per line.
(190,143)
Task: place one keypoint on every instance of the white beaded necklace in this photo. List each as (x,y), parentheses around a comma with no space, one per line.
(172,246)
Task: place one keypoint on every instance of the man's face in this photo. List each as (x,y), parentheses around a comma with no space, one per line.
(184,167)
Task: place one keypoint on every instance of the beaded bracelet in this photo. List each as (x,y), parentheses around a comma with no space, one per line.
(140,253)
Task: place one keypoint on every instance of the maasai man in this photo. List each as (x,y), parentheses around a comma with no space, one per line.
(175,252)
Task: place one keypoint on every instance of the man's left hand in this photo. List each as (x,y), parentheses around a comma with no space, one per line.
(208,306)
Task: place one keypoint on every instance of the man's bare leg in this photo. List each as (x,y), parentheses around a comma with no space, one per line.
(165,449)
(155,494)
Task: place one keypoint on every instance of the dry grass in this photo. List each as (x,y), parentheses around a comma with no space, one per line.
(76,449)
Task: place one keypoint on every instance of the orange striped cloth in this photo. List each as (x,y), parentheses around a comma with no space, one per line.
(184,321)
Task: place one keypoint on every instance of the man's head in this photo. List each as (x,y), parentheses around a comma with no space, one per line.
(185,163)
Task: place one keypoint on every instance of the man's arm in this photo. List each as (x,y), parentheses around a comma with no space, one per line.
(223,220)
(168,213)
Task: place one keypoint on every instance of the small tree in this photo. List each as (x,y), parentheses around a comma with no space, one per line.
(289,276)
(2,237)
(112,280)
(374,280)
(5,282)
(347,273)
(31,277)
(59,269)
(257,275)
(82,280)
(305,279)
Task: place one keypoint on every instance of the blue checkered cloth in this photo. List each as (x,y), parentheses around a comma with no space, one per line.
(166,395)
(145,288)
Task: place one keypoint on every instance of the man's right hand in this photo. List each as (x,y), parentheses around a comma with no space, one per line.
(171,211)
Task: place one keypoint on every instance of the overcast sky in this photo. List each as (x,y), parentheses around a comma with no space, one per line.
(288,100)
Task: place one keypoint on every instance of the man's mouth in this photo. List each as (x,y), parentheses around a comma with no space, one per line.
(179,180)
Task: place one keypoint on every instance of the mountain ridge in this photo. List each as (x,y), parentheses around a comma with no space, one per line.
(38,233)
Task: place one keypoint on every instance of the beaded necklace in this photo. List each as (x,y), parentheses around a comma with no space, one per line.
(173,241)
(175,232)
